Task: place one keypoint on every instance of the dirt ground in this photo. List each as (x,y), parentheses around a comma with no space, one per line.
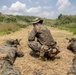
(29,65)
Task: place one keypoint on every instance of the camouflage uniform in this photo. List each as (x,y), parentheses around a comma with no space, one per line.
(72,45)
(44,39)
(12,53)
(73,68)
(6,63)
(7,69)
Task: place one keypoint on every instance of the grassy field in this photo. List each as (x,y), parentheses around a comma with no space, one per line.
(69,27)
(10,23)
(7,28)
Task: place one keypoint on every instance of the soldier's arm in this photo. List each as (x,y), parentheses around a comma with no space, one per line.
(31,36)
(19,53)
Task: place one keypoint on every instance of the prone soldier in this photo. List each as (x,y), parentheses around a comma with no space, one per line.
(8,54)
(72,47)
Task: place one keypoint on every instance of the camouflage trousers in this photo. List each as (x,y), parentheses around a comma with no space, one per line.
(7,69)
(37,47)
(43,49)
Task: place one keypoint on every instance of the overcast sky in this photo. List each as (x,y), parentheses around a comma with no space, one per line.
(42,8)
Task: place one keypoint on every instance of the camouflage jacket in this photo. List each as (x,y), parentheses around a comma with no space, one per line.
(7,69)
(42,34)
(72,45)
(12,53)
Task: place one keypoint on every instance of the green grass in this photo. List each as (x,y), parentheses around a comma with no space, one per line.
(10,23)
(70,27)
(23,25)
(7,28)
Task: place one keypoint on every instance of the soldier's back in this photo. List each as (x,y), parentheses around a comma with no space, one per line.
(8,50)
(44,36)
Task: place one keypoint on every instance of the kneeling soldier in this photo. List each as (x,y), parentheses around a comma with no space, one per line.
(44,41)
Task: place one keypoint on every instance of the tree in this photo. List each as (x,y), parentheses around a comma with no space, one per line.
(59,17)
